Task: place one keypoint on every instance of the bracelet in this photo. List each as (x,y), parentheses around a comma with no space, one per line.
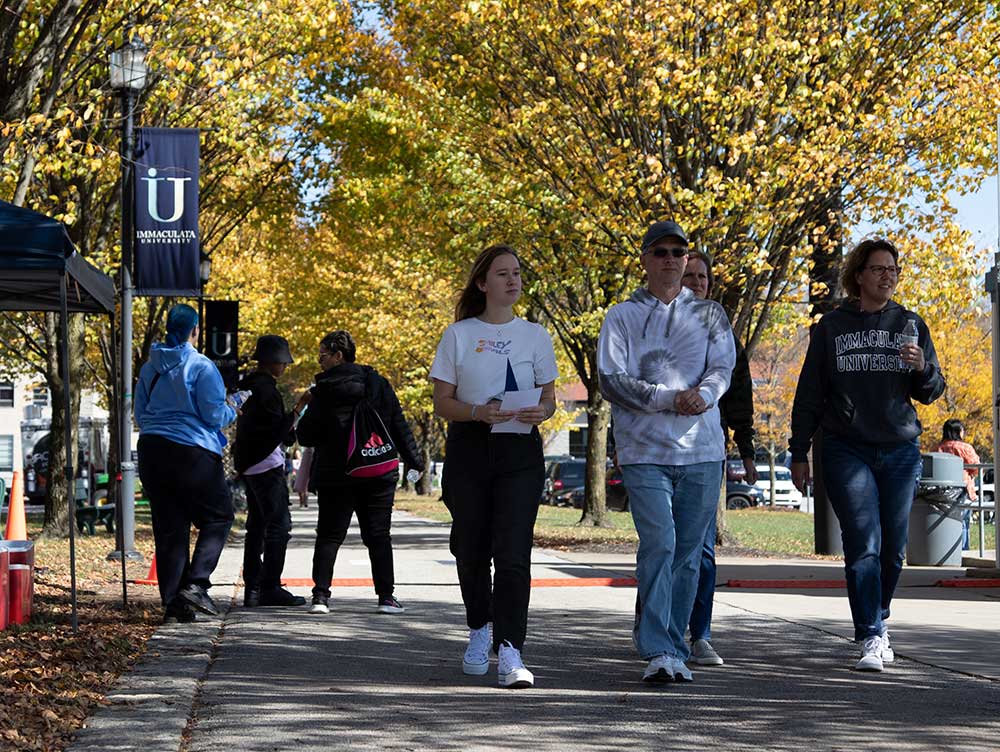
(473,416)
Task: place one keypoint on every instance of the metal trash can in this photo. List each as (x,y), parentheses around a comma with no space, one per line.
(936,529)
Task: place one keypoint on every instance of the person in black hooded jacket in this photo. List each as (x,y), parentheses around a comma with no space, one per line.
(326,425)
(262,427)
(858,378)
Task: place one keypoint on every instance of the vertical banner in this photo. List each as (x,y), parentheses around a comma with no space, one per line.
(166,211)
(222,322)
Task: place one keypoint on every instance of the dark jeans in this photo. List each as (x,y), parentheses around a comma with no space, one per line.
(701,613)
(371,499)
(871,487)
(269,526)
(492,484)
(186,486)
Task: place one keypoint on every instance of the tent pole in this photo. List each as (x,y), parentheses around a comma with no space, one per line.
(67,396)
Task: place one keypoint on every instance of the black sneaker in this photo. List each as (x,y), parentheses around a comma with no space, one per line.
(251,598)
(178,613)
(389,605)
(320,605)
(197,597)
(280,597)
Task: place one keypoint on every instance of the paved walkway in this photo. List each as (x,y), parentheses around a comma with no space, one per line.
(275,679)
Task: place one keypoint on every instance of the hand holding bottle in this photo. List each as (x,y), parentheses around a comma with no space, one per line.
(909,351)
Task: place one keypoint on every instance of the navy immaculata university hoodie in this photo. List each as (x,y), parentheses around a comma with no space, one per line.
(854,384)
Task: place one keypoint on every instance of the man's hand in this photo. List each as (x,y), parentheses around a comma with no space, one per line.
(751,471)
(800,475)
(689,402)
(913,356)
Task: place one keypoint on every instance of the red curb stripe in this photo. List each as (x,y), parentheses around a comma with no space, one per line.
(551,582)
(971,582)
(779,584)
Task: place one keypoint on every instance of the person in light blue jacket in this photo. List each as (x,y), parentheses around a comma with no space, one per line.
(180,408)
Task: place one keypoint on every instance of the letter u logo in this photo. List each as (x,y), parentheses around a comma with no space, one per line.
(152,198)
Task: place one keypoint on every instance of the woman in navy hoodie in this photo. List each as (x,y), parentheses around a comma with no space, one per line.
(180,407)
(858,378)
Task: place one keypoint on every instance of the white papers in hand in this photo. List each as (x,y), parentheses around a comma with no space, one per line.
(512,402)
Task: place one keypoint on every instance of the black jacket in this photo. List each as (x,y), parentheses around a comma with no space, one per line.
(326,423)
(736,405)
(264,423)
(854,384)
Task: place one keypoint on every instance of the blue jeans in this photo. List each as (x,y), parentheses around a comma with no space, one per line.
(672,506)
(871,487)
(701,613)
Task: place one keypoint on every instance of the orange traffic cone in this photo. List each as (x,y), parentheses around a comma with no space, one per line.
(151,577)
(17,528)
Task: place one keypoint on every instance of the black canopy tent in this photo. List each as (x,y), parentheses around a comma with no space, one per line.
(41,271)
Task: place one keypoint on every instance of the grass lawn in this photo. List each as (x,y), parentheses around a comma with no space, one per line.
(779,532)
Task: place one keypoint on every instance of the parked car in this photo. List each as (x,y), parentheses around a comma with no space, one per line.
(743,496)
(616,495)
(785,492)
(735,470)
(563,475)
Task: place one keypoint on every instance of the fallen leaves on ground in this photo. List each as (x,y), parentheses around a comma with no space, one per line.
(51,679)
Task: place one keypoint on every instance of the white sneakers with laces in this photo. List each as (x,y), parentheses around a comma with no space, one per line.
(888,656)
(666,668)
(511,672)
(476,660)
(871,654)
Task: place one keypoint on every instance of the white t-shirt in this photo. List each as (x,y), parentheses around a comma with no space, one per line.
(485,360)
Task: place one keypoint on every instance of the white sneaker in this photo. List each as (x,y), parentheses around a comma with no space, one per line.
(888,656)
(871,654)
(659,669)
(703,654)
(681,672)
(477,654)
(511,672)
(319,605)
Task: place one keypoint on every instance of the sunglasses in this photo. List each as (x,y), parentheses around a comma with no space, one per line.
(664,252)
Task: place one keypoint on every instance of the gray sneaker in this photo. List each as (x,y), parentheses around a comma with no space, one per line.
(703,654)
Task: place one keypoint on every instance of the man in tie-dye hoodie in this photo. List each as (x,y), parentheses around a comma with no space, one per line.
(664,360)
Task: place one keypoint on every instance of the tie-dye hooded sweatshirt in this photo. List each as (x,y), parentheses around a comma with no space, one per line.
(647,353)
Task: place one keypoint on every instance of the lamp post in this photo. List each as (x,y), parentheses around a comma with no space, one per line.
(204,272)
(128,77)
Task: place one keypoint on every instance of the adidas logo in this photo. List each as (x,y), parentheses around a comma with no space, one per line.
(375,446)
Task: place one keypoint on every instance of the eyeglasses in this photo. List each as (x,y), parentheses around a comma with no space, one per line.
(878,270)
(324,354)
(664,252)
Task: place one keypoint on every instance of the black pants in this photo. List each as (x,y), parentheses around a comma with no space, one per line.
(186,486)
(371,499)
(269,526)
(492,484)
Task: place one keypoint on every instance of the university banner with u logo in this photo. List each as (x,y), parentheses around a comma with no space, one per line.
(166,211)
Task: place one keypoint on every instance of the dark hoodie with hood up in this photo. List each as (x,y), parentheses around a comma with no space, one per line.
(854,384)
(326,423)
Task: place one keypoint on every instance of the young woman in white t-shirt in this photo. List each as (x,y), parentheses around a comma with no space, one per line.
(492,482)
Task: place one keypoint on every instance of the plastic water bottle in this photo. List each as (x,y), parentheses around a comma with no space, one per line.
(236,399)
(909,336)
(413,475)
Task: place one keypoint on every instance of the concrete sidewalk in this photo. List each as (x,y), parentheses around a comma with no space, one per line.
(274,679)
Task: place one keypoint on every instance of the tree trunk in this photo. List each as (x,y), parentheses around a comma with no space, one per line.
(59,489)
(595,508)
(721,526)
(424,484)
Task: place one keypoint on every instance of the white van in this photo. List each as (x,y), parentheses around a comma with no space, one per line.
(785,493)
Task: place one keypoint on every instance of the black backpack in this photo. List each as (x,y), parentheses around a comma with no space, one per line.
(371,452)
